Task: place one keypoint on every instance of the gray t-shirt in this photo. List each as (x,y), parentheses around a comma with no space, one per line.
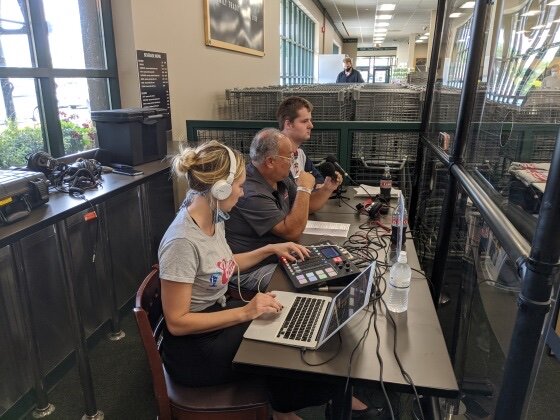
(188,255)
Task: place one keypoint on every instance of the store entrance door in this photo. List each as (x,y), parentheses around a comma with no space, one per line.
(381,74)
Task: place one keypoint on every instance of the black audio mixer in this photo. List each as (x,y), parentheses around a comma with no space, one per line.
(327,263)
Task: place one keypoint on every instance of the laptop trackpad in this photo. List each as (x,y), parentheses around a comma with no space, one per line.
(269,316)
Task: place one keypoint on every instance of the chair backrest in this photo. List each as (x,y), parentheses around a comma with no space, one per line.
(149,317)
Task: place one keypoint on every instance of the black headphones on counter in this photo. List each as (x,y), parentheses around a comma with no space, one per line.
(74,179)
(41,162)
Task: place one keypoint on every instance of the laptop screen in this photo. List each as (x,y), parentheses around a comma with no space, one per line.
(352,299)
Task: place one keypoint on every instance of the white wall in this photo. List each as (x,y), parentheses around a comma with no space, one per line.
(198,74)
(420,51)
(350,49)
(402,53)
(325,39)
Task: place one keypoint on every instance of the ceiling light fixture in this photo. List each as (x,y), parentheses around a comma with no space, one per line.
(387,7)
(468,5)
(419,41)
(427,34)
(383,17)
(554,3)
(381,24)
(455,15)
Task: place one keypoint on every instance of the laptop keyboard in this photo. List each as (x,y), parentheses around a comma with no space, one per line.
(302,318)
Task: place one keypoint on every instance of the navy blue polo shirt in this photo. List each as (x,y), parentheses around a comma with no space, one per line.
(257,212)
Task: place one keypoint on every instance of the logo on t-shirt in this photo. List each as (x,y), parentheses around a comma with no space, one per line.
(214,279)
(227,267)
(295,169)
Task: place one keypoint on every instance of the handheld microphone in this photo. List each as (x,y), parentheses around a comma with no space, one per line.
(332,160)
(327,169)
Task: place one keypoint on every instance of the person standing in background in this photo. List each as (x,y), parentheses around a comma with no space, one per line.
(552,81)
(349,74)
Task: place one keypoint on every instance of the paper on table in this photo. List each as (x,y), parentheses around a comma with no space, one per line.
(372,190)
(327,228)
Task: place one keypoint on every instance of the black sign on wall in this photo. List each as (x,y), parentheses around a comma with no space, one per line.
(154,80)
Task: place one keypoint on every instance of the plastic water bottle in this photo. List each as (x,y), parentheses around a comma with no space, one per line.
(385,185)
(399,285)
(396,226)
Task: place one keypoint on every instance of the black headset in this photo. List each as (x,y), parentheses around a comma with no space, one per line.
(41,162)
(91,165)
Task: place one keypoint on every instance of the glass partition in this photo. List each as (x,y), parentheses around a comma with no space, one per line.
(512,134)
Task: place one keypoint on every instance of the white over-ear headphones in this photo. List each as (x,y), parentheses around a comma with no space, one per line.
(222,188)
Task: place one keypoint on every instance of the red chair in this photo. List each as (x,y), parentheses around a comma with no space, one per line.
(242,400)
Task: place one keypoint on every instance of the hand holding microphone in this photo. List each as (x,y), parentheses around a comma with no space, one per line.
(332,177)
(332,160)
(305,180)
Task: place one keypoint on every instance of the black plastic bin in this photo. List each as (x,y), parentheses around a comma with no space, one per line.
(132,135)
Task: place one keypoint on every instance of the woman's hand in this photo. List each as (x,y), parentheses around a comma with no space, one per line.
(262,303)
(290,250)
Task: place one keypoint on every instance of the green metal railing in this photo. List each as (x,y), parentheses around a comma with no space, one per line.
(344,130)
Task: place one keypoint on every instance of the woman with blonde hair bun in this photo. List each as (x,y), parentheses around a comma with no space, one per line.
(203,329)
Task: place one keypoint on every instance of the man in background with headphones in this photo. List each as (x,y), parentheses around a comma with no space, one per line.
(275,206)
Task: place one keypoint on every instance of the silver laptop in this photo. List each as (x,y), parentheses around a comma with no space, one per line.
(308,321)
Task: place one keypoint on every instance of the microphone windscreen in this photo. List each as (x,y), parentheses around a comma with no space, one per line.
(331,159)
(327,169)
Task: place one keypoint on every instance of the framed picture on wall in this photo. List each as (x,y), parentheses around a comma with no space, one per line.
(236,25)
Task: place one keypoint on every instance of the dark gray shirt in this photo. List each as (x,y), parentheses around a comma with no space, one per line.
(257,212)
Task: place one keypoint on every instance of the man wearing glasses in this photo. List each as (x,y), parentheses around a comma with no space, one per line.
(275,206)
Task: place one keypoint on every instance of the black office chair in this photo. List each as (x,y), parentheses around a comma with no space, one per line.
(241,400)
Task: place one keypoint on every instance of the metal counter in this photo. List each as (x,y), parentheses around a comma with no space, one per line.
(62,277)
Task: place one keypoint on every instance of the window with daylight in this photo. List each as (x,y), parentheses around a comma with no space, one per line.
(57,64)
(297,38)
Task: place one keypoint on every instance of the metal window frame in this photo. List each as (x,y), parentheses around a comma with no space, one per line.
(44,74)
(297,37)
